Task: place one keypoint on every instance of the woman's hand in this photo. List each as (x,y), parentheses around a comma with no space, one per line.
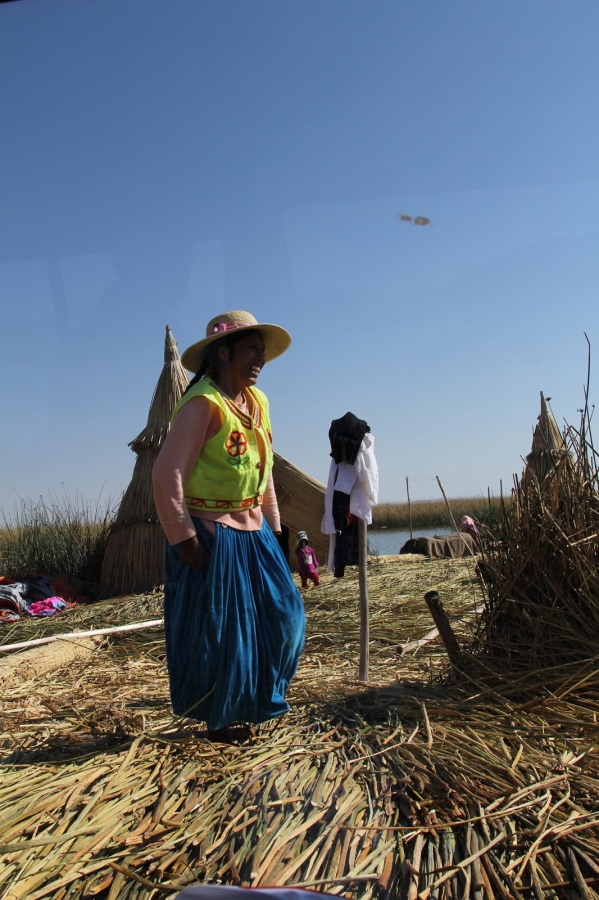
(193,553)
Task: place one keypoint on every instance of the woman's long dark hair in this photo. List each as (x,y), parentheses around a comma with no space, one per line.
(210,359)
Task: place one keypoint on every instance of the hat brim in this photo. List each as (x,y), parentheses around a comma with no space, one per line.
(276,340)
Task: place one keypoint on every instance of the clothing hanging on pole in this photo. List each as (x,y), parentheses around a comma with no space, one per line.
(352,490)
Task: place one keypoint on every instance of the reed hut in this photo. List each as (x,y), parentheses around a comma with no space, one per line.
(134,558)
(547,448)
(301,504)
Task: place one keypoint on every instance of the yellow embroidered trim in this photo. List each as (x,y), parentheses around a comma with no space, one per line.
(215,505)
(245,420)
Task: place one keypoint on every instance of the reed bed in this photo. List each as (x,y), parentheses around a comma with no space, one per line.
(55,536)
(407,787)
(433,513)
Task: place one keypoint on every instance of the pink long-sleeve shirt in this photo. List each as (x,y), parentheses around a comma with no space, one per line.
(196,423)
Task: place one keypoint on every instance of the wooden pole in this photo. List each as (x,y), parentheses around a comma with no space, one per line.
(453,521)
(364,617)
(437,610)
(72,635)
(434,633)
(409,505)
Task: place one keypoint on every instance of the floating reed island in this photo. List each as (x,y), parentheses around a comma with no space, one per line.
(476,779)
(414,785)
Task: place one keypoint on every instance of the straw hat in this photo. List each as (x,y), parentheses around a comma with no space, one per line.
(276,338)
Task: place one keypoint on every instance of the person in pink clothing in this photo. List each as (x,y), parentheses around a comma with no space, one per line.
(306,560)
(467,526)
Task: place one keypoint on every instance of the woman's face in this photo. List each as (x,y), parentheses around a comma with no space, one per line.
(247,360)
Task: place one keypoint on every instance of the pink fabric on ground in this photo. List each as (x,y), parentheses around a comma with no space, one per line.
(46,607)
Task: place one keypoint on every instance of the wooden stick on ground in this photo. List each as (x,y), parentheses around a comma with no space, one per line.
(80,634)
(433,601)
(434,633)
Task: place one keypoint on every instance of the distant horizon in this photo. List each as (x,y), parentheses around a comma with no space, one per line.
(78,501)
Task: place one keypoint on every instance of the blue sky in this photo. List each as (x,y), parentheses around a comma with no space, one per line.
(165,160)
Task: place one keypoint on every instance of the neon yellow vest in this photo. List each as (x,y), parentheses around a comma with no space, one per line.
(231,472)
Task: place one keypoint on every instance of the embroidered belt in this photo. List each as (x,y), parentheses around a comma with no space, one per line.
(216,505)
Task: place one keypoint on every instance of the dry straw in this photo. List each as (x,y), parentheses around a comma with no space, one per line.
(134,557)
(411,788)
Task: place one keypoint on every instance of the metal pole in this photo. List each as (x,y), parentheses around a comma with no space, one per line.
(409,505)
(364,617)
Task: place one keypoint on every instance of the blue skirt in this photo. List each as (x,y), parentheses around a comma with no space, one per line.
(234,629)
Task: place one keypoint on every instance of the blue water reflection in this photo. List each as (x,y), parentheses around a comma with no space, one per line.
(388,541)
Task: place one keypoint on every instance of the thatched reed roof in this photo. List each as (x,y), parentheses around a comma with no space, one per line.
(547,447)
(301,504)
(171,384)
(134,557)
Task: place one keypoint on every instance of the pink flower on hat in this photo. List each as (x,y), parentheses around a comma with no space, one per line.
(225,326)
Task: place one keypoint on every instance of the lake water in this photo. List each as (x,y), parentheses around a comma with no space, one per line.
(387,541)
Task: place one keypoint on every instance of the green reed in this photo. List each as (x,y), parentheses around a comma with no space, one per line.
(55,536)
(434,514)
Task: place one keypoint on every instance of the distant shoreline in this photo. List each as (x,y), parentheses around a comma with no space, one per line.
(434,514)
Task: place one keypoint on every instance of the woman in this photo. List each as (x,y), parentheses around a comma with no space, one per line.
(468,526)
(234,620)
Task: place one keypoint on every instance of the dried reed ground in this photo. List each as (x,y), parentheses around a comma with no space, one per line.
(104,795)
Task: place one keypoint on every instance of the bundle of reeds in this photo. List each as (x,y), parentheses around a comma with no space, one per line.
(542,563)
(134,557)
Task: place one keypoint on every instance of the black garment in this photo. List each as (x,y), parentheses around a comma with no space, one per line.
(346,542)
(340,510)
(283,541)
(346,436)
